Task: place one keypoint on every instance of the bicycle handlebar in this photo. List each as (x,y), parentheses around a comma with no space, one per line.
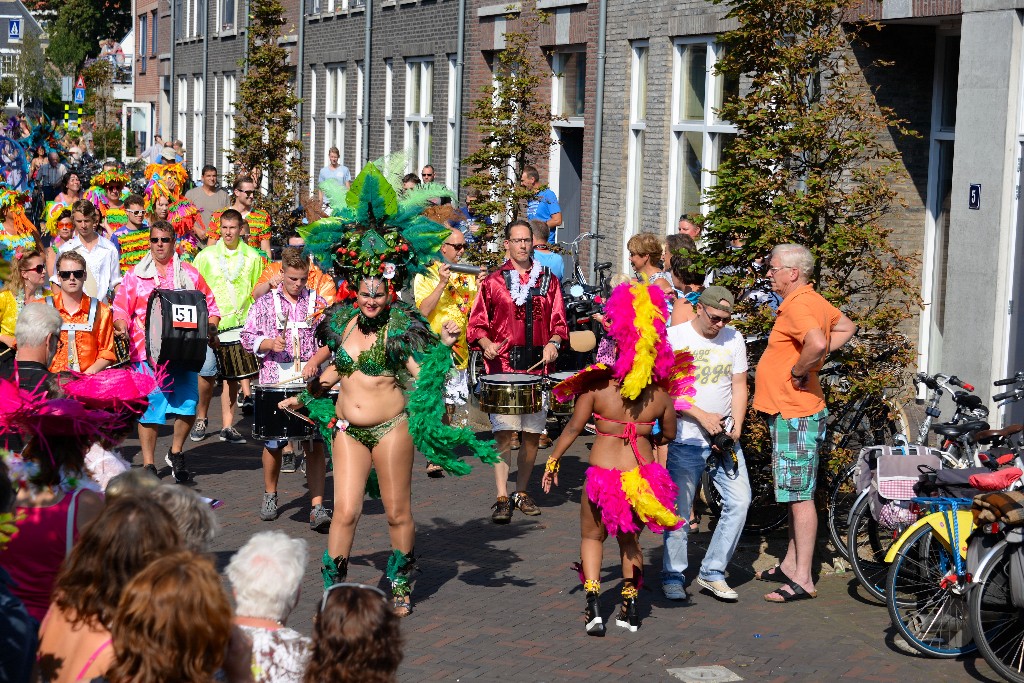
(1004,382)
(1006,395)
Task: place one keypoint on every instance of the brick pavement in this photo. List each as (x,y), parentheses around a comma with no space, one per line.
(501,602)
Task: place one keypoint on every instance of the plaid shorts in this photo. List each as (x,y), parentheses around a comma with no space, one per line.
(795,455)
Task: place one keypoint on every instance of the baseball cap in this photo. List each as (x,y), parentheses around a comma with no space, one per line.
(718,298)
(168,153)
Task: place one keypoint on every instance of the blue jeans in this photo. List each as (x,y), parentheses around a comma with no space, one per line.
(686,463)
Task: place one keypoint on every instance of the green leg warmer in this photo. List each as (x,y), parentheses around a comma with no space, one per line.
(333,570)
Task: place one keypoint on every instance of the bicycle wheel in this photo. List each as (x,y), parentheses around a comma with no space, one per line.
(841,496)
(998,625)
(928,609)
(867,543)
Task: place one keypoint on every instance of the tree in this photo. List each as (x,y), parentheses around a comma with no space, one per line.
(102,108)
(265,125)
(80,25)
(811,165)
(514,126)
(36,76)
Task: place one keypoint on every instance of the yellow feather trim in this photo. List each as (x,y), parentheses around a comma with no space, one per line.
(644,502)
(639,376)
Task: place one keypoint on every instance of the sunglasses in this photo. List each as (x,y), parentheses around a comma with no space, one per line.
(40,269)
(135,212)
(247,192)
(65,224)
(68,274)
(716,319)
(363,586)
(456,247)
(161,240)
(428,175)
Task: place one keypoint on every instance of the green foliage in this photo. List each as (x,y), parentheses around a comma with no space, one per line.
(102,108)
(514,125)
(811,166)
(36,76)
(265,122)
(80,25)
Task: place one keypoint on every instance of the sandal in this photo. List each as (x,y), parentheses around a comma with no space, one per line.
(435,471)
(798,593)
(401,605)
(773,574)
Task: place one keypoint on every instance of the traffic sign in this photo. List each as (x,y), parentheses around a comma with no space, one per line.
(79,95)
(80,83)
(14,29)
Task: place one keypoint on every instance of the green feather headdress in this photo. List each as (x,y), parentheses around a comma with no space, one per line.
(373,232)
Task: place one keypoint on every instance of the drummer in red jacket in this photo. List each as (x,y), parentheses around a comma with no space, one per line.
(518,322)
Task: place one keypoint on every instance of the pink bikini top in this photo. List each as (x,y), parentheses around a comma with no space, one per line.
(628,434)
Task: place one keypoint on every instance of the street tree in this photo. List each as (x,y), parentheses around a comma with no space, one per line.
(265,145)
(80,25)
(813,164)
(514,124)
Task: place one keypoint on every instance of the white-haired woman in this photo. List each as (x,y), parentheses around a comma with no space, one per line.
(265,575)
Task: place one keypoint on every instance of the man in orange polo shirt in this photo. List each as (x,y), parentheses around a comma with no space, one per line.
(807,328)
(319,281)
(87,333)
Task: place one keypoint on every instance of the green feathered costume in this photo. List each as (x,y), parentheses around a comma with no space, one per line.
(373,234)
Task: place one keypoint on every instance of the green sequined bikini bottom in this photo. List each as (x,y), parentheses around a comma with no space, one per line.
(371,436)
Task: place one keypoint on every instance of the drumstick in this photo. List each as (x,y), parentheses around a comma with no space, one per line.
(535,365)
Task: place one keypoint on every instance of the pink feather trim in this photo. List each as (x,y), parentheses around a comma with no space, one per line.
(620,313)
(579,383)
(663,488)
(604,489)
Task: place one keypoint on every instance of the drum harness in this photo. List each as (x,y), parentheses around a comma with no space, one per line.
(285,324)
(71,328)
(522,357)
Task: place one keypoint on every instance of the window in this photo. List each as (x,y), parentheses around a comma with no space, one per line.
(228,125)
(570,86)
(389,83)
(200,14)
(182,95)
(226,16)
(449,147)
(143,35)
(314,7)
(313,173)
(419,113)
(179,18)
(198,152)
(637,129)
(154,44)
(334,134)
(357,162)
(698,134)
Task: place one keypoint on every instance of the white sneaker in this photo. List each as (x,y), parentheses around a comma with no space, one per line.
(720,589)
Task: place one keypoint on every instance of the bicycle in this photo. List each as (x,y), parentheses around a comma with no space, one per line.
(994,609)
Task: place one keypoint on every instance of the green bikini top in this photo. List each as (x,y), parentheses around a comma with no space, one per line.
(373,361)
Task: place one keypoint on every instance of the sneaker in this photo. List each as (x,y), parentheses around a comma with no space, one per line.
(177,463)
(674,591)
(198,432)
(522,500)
(288,462)
(502,511)
(592,616)
(720,589)
(268,510)
(231,435)
(319,518)
(246,404)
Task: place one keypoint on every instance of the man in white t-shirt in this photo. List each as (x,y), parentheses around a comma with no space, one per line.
(719,406)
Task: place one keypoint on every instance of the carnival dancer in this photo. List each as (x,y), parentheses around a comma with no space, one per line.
(280,331)
(18,231)
(231,268)
(637,381)
(244,193)
(441,296)
(132,238)
(87,334)
(161,268)
(60,228)
(518,321)
(99,253)
(380,347)
(105,195)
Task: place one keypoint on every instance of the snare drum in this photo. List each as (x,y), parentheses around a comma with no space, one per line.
(233,361)
(270,423)
(123,350)
(511,394)
(560,408)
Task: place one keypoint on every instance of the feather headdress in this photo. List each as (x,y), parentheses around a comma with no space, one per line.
(111,178)
(54,210)
(14,203)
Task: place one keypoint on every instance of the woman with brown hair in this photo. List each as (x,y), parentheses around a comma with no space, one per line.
(355,637)
(645,254)
(173,623)
(75,638)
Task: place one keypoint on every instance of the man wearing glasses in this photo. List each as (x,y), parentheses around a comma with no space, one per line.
(244,191)
(518,321)
(427,174)
(442,295)
(714,421)
(272,276)
(87,334)
(132,238)
(161,268)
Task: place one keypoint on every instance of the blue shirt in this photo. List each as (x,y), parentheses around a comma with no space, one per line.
(341,174)
(542,207)
(550,260)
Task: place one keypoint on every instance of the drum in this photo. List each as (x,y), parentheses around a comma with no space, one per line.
(560,408)
(233,361)
(123,349)
(177,329)
(270,422)
(511,394)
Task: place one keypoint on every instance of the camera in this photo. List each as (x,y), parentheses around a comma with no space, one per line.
(721,441)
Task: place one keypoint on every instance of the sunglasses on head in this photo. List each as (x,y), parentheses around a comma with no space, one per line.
(68,274)
(363,586)
(161,240)
(35,269)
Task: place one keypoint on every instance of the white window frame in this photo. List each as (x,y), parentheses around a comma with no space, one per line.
(357,161)
(421,122)
(229,92)
(640,54)
(198,152)
(335,110)
(711,128)
(216,114)
(313,170)
(182,96)
(450,132)
(558,60)
(389,87)
(227,25)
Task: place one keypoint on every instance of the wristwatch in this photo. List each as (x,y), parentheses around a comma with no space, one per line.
(796,376)
(557,344)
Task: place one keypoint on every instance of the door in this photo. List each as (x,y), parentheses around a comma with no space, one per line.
(570,181)
(1015,348)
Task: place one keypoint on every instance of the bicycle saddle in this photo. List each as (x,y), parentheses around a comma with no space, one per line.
(965,400)
(956,431)
(991,435)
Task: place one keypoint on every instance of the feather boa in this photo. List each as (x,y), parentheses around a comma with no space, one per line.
(681,380)
(645,492)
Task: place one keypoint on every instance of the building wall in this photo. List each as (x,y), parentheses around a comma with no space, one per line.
(148,66)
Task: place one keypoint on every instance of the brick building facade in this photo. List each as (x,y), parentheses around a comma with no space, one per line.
(152,63)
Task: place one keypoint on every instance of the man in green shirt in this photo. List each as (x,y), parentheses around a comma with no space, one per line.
(231,268)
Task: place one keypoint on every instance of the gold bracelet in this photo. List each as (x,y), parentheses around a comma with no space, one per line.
(553,465)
